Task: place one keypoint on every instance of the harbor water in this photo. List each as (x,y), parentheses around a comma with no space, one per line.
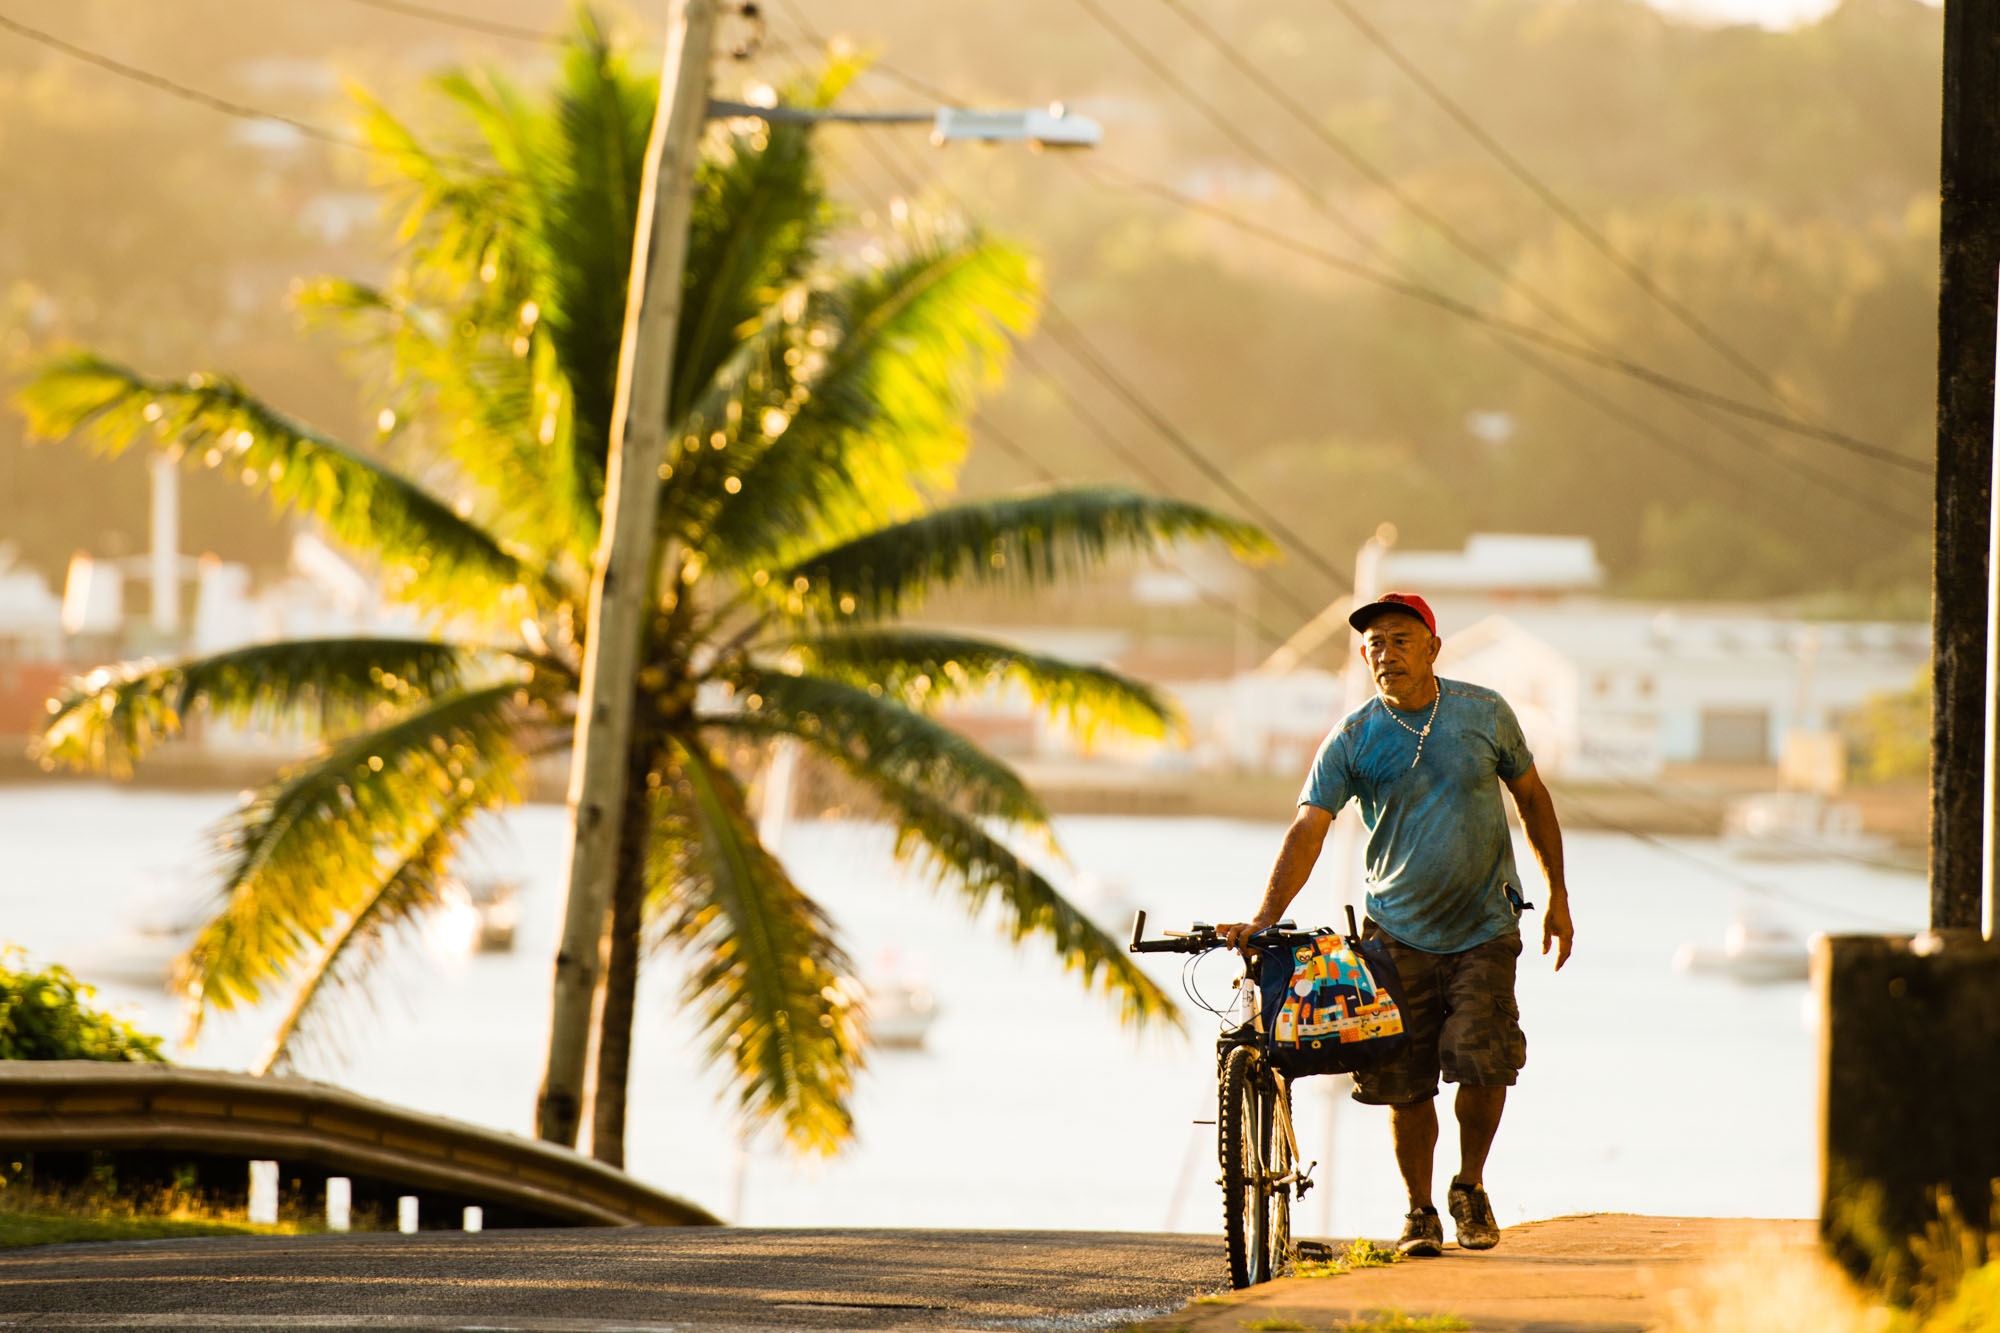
(1647,1090)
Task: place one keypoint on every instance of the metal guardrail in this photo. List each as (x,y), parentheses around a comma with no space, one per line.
(77,1105)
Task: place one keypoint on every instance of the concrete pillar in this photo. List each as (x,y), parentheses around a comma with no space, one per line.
(1909,1089)
(263,1210)
(339,1203)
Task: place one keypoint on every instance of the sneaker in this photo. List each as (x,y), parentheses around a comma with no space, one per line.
(1472,1215)
(1423,1233)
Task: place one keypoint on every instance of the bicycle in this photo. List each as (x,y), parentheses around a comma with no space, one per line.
(1258,1149)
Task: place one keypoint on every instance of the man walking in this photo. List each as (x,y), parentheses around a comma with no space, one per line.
(1425,760)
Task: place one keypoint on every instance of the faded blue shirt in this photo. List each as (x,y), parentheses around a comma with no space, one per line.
(1439,855)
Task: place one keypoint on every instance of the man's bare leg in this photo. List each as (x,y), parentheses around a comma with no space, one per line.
(1478,1119)
(1415,1131)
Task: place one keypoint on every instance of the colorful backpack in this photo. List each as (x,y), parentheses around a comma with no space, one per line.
(1329,1003)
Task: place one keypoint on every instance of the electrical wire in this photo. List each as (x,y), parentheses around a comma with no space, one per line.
(1430,218)
(1223,124)
(1484,259)
(472,23)
(161,83)
(1525,333)
(1115,178)
(1569,215)
(1867,501)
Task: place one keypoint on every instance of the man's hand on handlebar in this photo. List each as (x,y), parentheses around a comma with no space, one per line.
(1237,932)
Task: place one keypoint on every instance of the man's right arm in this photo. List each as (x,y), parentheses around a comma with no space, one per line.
(1296,858)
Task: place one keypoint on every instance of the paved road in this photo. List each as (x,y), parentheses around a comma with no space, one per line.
(639,1278)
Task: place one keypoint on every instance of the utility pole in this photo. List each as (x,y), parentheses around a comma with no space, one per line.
(625,551)
(1968,271)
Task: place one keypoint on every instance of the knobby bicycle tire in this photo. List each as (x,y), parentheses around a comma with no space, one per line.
(1256,1215)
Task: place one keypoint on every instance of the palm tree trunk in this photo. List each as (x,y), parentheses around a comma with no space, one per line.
(621,976)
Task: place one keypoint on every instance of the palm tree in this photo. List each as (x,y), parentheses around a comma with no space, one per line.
(818,411)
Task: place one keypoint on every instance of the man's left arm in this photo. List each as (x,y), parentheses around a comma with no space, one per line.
(1538,820)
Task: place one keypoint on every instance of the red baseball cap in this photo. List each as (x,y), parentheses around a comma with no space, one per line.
(1406,602)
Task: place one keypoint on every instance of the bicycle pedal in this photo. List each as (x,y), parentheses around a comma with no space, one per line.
(1313,1251)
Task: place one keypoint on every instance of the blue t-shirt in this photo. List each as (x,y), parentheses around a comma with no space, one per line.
(1439,856)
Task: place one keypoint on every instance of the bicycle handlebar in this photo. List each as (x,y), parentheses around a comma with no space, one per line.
(1200,937)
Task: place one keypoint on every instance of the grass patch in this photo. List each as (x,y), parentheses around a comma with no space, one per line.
(46,1215)
(1275,1324)
(19,1229)
(1395,1321)
(1362,1253)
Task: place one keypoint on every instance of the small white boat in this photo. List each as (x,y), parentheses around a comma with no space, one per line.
(1754,952)
(1796,826)
(492,899)
(900,1013)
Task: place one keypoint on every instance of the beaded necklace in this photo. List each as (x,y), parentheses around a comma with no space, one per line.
(1389,708)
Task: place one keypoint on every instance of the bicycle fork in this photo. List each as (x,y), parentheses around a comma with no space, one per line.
(1281,1106)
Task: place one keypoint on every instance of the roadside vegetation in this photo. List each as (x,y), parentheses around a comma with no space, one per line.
(49,1015)
(33,1213)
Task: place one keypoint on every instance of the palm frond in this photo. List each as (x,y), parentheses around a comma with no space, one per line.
(306,851)
(477,401)
(952,849)
(923,667)
(107,720)
(412,889)
(859,726)
(588,151)
(893,359)
(958,854)
(769,982)
(759,208)
(461,215)
(432,555)
(1029,540)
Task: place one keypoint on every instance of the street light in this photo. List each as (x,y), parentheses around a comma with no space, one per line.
(1055,127)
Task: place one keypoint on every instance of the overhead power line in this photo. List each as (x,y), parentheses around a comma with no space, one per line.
(470,22)
(161,83)
(1127,39)
(1513,328)
(1865,500)
(1073,342)
(1692,400)
(1113,177)
(1569,215)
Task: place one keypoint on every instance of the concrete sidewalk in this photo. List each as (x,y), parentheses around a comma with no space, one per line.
(1605,1273)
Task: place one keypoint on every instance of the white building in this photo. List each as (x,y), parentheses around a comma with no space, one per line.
(1624,689)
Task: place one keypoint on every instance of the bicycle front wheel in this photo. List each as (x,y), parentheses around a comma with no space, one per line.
(1244,1131)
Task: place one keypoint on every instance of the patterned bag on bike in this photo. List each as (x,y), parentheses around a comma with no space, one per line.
(1328,1004)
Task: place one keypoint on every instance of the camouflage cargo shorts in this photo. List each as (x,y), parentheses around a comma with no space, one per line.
(1463,1022)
